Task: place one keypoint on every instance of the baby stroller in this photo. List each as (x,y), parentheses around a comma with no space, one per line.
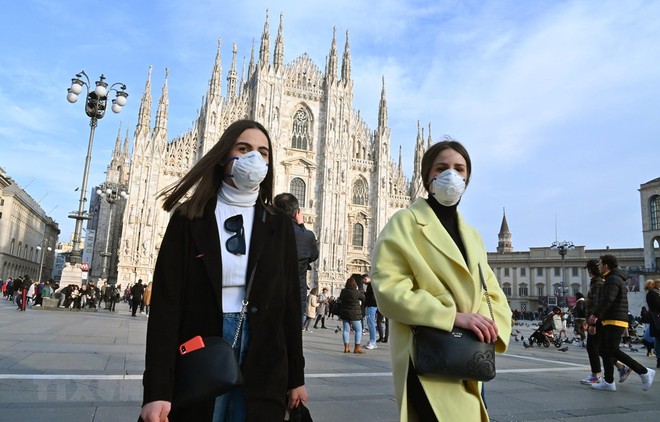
(544,334)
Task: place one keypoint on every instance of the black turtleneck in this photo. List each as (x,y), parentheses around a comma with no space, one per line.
(449,219)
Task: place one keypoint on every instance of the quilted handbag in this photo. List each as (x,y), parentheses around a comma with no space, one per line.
(456,354)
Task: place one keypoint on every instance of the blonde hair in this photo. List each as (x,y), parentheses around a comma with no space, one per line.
(650,284)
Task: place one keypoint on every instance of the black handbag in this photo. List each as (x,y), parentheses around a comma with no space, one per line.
(207,372)
(456,354)
(299,414)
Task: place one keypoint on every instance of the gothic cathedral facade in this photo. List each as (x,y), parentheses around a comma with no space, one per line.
(340,170)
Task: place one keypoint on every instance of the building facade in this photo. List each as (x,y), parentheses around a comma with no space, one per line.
(649,193)
(535,279)
(339,168)
(26,233)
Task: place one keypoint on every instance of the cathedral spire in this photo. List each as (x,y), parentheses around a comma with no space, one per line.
(242,84)
(331,71)
(251,66)
(264,50)
(346,62)
(504,244)
(125,149)
(382,108)
(232,77)
(215,84)
(400,161)
(117,150)
(144,115)
(417,184)
(430,137)
(159,143)
(278,55)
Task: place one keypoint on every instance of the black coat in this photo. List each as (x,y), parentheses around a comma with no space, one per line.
(653,300)
(308,252)
(593,295)
(350,308)
(186,301)
(137,291)
(613,302)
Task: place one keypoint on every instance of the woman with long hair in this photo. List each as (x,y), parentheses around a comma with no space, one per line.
(222,228)
(350,312)
(426,272)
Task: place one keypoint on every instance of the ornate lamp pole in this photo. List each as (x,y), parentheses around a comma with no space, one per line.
(43,255)
(112,195)
(563,248)
(95,105)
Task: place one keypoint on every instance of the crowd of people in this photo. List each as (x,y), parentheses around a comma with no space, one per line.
(25,294)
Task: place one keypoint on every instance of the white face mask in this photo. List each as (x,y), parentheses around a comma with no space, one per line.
(447,187)
(249,171)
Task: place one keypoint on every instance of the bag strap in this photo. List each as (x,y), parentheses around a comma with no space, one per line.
(245,301)
(244,304)
(483,283)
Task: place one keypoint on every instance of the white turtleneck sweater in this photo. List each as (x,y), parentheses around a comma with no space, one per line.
(231,202)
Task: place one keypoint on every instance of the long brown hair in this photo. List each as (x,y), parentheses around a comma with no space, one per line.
(206,176)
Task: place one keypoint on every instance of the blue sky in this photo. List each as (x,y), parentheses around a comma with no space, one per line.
(557,102)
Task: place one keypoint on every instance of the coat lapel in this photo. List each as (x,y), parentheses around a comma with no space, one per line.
(207,243)
(259,233)
(436,234)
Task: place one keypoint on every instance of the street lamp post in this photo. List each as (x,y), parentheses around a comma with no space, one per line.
(41,263)
(112,195)
(563,247)
(95,105)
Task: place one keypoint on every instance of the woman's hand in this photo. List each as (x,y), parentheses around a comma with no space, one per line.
(156,411)
(297,396)
(482,326)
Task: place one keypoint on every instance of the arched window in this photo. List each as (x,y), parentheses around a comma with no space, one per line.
(358,235)
(506,288)
(297,188)
(300,131)
(360,194)
(654,208)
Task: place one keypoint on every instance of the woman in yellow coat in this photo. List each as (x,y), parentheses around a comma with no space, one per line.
(426,272)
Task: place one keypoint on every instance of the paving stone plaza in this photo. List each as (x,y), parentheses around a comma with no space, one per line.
(59,366)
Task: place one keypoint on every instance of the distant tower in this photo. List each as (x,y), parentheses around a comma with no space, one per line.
(504,237)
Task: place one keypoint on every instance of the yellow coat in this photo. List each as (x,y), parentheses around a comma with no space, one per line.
(420,278)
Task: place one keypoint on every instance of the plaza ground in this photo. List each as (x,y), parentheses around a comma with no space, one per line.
(71,366)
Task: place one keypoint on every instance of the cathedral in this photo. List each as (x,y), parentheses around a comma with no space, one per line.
(340,169)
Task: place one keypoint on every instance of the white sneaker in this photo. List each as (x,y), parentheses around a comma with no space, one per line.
(647,379)
(370,346)
(604,385)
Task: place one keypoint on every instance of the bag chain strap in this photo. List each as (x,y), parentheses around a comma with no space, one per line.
(483,283)
(244,304)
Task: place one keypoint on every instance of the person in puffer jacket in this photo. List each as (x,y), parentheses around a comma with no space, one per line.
(612,312)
